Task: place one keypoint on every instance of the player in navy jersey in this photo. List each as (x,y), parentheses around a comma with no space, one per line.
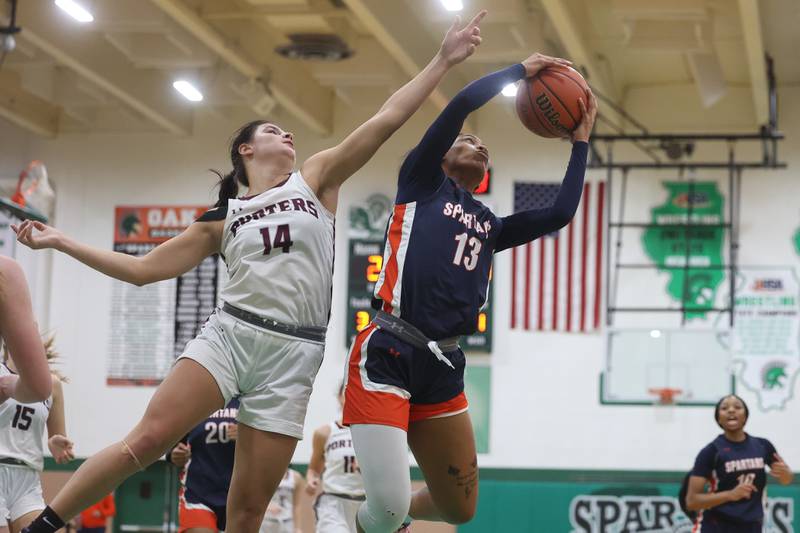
(208,452)
(19,333)
(734,467)
(265,344)
(405,377)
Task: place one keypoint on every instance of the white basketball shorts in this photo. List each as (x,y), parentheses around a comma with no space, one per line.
(271,372)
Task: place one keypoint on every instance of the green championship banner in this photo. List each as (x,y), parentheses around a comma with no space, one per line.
(666,245)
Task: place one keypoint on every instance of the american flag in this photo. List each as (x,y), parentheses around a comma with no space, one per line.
(557,280)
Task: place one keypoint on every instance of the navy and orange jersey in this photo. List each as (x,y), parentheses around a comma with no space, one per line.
(727,464)
(208,474)
(440,240)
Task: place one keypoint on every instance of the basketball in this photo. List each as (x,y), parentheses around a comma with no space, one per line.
(547,103)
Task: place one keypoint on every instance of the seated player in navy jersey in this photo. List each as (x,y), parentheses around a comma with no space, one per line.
(733,465)
(209,450)
(405,377)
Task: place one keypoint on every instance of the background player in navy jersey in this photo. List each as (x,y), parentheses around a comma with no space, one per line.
(405,372)
(207,453)
(734,466)
(20,335)
(266,342)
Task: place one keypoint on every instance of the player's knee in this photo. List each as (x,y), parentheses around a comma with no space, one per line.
(247,513)
(384,511)
(460,514)
(147,443)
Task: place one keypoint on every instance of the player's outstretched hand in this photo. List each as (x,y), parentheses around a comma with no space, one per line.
(36,235)
(460,43)
(61,448)
(588,114)
(538,61)
(742,492)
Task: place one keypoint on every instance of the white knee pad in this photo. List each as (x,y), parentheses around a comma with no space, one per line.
(382,455)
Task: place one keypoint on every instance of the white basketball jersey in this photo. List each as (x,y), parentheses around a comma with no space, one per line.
(278,247)
(341,474)
(22,428)
(282,502)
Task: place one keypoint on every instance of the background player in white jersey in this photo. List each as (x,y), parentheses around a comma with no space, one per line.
(266,343)
(333,466)
(22,428)
(19,333)
(283,511)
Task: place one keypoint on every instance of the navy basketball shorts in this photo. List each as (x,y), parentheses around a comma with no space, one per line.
(713,523)
(392,383)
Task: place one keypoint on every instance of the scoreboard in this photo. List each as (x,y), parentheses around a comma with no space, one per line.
(365,263)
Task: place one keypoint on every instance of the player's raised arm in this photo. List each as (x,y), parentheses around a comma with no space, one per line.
(168,260)
(529,225)
(420,174)
(327,170)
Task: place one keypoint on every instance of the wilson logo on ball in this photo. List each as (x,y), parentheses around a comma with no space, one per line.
(552,116)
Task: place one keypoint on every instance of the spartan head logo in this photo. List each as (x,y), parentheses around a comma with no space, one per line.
(131,226)
(773,375)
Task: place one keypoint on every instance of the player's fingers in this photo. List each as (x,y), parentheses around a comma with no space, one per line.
(456,24)
(582,105)
(478,18)
(39,225)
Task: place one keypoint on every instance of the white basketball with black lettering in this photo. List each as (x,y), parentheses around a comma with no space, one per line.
(278,247)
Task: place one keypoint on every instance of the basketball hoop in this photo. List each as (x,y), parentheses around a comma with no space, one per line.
(665,395)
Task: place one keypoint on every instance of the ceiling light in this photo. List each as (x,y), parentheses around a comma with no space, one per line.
(453,5)
(188,90)
(510,90)
(75,10)
(656,333)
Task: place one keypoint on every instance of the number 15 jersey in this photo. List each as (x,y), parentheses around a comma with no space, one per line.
(278,247)
(22,428)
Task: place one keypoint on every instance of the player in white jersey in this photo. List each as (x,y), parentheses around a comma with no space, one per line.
(22,427)
(19,334)
(283,511)
(266,342)
(333,466)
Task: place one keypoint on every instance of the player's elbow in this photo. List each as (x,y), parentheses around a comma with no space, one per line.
(42,391)
(141,274)
(693,503)
(562,215)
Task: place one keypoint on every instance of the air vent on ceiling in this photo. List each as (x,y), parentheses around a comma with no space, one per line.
(315,47)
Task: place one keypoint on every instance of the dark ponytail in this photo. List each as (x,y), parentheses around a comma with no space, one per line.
(229,183)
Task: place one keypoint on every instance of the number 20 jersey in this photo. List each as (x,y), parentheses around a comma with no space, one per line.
(278,247)
(436,261)
(208,473)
